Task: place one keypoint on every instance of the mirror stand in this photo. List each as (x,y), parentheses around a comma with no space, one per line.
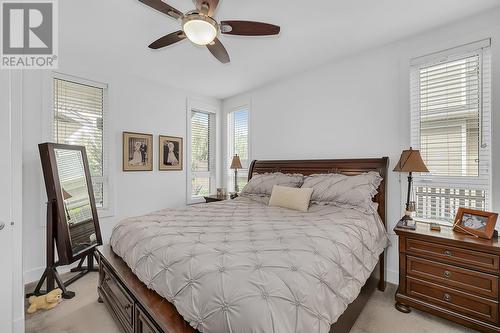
(50,274)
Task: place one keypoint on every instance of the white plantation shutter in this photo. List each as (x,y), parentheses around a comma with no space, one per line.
(238,143)
(450,124)
(202,153)
(79,120)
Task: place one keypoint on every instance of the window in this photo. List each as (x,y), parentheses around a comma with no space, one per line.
(238,143)
(201,154)
(79,120)
(450,123)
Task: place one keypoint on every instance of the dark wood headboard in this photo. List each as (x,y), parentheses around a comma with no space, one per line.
(350,167)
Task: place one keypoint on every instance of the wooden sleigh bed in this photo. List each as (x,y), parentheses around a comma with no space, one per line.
(138,309)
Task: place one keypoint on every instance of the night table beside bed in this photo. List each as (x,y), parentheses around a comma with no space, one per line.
(451,275)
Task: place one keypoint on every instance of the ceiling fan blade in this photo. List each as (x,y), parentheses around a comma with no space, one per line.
(219,51)
(167,40)
(207,6)
(248,28)
(163,7)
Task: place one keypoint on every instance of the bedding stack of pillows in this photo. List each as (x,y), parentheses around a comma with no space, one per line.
(295,191)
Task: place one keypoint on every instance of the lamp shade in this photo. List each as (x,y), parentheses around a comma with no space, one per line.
(236,163)
(410,161)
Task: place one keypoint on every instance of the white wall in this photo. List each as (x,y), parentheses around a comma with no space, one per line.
(359,107)
(135,104)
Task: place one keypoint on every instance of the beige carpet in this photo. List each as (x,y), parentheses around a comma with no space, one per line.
(83,314)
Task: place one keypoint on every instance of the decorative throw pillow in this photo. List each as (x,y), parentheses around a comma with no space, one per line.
(353,191)
(292,198)
(262,184)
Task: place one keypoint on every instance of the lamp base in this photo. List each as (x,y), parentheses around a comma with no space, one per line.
(407,222)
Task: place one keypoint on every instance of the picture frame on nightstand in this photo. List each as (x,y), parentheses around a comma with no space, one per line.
(476,223)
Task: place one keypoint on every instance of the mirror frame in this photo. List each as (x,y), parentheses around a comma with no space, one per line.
(55,196)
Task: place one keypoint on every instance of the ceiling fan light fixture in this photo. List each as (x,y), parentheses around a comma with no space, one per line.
(199,29)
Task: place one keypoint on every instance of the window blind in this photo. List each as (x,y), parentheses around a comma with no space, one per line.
(238,143)
(202,152)
(79,120)
(450,124)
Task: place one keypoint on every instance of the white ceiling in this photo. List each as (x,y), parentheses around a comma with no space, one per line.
(312,32)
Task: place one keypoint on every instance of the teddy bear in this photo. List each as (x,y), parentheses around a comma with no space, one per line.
(44,302)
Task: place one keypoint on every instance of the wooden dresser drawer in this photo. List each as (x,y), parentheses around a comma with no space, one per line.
(468,258)
(466,304)
(142,323)
(476,283)
(118,299)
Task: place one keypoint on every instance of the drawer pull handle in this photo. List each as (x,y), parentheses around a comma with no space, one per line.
(447,297)
(448,253)
(447,274)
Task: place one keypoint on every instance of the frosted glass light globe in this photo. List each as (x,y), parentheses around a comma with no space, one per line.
(201,30)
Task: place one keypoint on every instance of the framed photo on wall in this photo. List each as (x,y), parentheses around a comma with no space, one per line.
(137,152)
(170,153)
(475,222)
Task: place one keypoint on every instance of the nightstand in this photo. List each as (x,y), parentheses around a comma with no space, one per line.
(214,198)
(450,275)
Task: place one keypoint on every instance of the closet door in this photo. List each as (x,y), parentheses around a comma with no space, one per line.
(6,230)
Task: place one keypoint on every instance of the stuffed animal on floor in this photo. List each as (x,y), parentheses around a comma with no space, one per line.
(44,302)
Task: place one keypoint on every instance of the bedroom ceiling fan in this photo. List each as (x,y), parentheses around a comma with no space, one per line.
(200,28)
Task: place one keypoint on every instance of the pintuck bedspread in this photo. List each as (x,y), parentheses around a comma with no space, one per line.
(241,266)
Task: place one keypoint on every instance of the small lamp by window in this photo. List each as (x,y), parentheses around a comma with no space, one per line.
(410,161)
(235,165)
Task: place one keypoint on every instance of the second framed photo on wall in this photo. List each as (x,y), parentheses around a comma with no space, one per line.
(170,153)
(137,152)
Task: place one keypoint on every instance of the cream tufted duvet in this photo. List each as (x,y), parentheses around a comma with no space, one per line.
(241,266)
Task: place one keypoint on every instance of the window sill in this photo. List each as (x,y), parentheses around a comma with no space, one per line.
(429,221)
(105,212)
(194,201)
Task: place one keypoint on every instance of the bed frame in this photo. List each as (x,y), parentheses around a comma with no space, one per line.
(138,309)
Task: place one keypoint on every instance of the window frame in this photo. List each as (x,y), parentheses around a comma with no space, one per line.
(484,179)
(195,105)
(108,208)
(229,174)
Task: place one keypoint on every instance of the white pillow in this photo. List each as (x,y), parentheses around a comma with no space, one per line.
(353,191)
(290,197)
(262,184)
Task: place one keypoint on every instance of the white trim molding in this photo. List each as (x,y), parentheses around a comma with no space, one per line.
(48,135)
(211,108)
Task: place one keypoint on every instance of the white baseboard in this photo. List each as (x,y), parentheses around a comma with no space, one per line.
(33,275)
(18,325)
(392,276)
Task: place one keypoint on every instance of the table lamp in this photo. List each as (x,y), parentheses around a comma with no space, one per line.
(235,165)
(410,161)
